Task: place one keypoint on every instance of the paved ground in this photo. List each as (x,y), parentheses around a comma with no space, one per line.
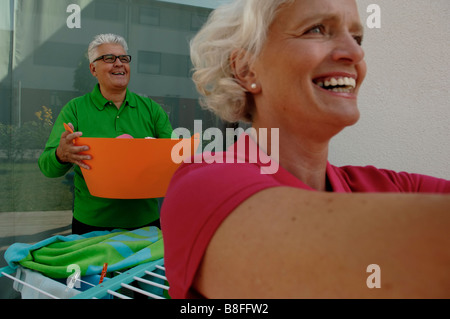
(28,227)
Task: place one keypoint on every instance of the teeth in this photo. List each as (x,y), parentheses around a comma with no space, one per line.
(342,81)
(341,90)
(350,82)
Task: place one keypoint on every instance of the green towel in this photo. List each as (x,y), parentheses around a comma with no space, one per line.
(119,249)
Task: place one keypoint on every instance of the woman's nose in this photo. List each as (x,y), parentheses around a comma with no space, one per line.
(348,49)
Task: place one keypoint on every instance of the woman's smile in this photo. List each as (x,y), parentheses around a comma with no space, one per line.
(311,67)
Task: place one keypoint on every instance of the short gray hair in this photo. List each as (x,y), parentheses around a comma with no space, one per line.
(103,39)
(239,25)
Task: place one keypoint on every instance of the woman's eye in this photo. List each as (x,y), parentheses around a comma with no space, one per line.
(318,29)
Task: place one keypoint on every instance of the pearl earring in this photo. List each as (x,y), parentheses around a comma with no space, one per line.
(253,86)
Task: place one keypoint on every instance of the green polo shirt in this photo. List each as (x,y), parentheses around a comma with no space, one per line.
(95,116)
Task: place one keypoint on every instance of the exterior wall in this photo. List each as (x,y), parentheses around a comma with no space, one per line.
(404,102)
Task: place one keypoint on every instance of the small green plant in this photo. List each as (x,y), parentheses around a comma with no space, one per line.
(45,116)
(19,143)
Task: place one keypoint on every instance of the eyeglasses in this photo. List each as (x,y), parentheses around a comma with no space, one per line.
(111,58)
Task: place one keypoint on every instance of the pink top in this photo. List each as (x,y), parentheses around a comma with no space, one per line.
(202,195)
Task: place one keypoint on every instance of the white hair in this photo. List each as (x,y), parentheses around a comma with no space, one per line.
(239,25)
(103,39)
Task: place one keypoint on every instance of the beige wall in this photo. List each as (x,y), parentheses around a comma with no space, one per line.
(404,103)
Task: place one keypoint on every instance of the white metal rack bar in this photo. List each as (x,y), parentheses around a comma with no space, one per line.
(112,285)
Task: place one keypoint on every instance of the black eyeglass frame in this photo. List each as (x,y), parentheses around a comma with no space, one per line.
(102,57)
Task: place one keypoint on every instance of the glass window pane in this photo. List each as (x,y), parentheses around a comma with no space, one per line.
(149,62)
(109,10)
(44,65)
(149,16)
(49,53)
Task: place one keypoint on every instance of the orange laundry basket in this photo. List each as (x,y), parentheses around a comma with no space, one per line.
(134,168)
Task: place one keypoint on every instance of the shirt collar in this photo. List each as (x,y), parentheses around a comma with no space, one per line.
(100,101)
(245,143)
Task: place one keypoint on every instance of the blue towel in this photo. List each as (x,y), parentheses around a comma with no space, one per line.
(89,252)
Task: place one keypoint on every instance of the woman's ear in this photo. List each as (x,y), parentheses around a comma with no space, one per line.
(241,67)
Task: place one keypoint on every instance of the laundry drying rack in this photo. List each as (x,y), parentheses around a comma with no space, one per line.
(143,281)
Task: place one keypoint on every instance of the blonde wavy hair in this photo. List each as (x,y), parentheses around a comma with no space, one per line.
(242,26)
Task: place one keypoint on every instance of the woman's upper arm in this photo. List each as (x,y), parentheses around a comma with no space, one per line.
(292,243)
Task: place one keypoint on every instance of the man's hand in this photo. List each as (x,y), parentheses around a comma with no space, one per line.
(68,152)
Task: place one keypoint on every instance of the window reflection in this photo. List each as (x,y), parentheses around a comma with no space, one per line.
(44,65)
(149,16)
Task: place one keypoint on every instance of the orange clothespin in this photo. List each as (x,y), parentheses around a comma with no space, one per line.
(105,267)
(68,128)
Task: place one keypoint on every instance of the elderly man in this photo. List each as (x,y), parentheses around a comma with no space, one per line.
(109,110)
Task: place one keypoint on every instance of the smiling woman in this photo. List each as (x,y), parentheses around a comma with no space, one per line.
(323,46)
(296,66)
